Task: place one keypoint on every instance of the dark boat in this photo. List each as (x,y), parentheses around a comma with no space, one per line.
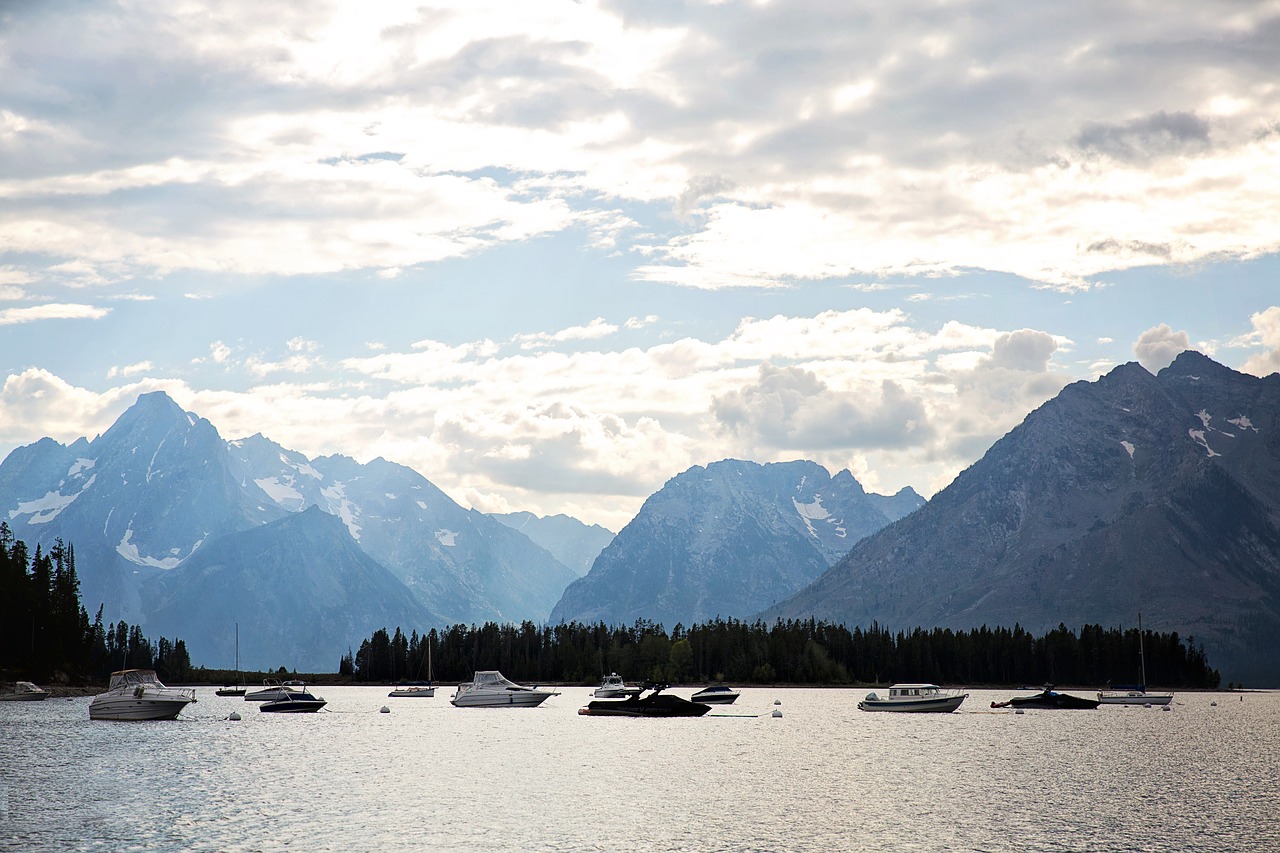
(1050,699)
(655,703)
(298,700)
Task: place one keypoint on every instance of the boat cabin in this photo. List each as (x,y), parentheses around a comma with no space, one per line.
(904,691)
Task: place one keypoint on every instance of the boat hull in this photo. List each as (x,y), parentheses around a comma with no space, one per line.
(653,705)
(293,706)
(933,705)
(413,693)
(130,708)
(509,699)
(229,691)
(715,698)
(1135,698)
(25,697)
(1050,701)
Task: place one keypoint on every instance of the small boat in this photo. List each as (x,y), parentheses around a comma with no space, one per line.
(1050,699)
(613,687)
(25,691)
(490,689)
(296,700)
(272,690)
(717,695)
(136,694)
(1135,694)
(653,704)
(236,689)
(413,689)
(914,698)
(417,689)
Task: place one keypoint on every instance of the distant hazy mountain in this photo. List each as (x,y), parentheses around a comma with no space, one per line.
(727,540)
(300,588)
(147,496)
(570,541)
(1158,494)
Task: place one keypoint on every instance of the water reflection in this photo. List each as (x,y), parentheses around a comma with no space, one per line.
(824,776)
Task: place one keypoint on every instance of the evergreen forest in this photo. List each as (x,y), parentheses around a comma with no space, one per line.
(45,633)
(790,652)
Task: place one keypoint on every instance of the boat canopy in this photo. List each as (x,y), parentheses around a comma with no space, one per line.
(492,678)
(126,677)
(25,687)
(913,690)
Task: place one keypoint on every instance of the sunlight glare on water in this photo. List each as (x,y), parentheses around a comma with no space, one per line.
(825,776)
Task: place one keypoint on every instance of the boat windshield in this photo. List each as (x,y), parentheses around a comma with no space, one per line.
(129,677)
(492,678)
(26,687)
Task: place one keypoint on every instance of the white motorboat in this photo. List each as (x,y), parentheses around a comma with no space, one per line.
(272,690)
(1137,694)
(914,698)
(490,689)
(297,699)
(25,691)
(136,694)
(613,687)
(716,695)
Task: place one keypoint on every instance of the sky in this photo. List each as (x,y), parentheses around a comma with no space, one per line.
(552,254)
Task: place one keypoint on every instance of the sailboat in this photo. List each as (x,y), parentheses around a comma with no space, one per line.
(1135,694)
(417,689)
(236,689)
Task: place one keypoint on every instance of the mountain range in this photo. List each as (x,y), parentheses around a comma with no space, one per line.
(1135,493)
(727,540)
(182,532)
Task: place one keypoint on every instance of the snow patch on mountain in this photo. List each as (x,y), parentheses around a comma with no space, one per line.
(811,512)
(1128,446)
(47,508)
(129,551)
(1198,437)
(1243,422)
(282,493)
(447,538)
(342,507)
(81,465)
(1204,417)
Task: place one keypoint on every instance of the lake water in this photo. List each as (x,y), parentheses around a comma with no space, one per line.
(824,776)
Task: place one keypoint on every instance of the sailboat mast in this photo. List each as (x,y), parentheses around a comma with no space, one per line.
(1142,658)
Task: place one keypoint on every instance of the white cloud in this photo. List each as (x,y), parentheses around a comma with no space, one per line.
(130,369)
(1157,347)
(1266,332)
(51,311)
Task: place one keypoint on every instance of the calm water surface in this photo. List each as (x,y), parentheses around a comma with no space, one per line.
(825,776)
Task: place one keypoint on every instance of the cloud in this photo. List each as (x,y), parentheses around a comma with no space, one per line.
(791,409)
(596,329)
(130,369)
(51,311)
(1266,331)
(1157,347)
(795,143)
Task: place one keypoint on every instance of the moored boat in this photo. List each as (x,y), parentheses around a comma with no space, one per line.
(613,687)
(1136,695)
(490,689)
(296,700)
(238,688)
(136,694)
(716,695)
(413,690)
(272,690)
(914,698)
(25,691)
(1050,699)
(653,704)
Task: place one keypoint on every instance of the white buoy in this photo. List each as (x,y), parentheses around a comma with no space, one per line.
(384,710)
(777,713)
(235,715)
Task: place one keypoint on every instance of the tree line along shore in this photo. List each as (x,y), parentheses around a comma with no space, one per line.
(46,635)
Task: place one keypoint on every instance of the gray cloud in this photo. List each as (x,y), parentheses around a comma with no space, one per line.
(1151,136)
(789,408)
